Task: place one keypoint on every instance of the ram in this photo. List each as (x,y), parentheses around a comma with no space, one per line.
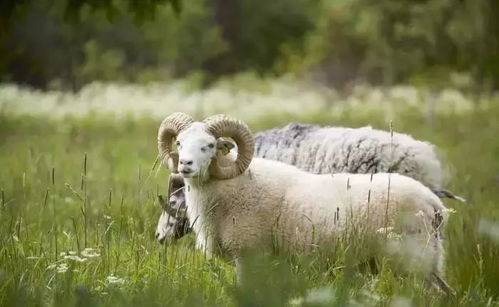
(327,150)
(251,203)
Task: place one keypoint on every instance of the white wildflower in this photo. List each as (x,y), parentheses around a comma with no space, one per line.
(75,258)
(264,97)
(60,268)
(112,279)
(68,253)
(90,253)
(384,230)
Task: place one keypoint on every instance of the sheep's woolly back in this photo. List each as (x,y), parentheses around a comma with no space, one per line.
(361,150)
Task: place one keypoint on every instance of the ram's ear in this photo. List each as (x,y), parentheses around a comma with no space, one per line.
(225,146)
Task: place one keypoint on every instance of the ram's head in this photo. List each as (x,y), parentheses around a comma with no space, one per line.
(199,145)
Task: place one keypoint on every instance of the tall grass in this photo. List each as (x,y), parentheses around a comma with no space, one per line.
(78,212)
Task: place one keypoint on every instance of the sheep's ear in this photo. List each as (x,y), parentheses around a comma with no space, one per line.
(225,146)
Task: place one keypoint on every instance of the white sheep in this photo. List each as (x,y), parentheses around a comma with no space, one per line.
(326,150)
(173,222)
(249,204)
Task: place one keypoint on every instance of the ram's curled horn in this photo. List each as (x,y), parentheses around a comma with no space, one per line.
(225,126)
(169,129)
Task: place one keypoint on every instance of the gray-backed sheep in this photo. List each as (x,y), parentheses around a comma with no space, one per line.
(325,150)
(250,203)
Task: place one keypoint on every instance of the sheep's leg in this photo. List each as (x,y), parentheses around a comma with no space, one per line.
(437,282)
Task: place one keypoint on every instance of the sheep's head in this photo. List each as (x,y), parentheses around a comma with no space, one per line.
(173,223)
(199,142)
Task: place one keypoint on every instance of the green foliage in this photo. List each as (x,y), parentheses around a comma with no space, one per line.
(141,10)
(340,42)
(101,64)
(41,45)
(388,42)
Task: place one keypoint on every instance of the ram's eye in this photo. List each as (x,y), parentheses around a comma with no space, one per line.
(177,143)
(211,145)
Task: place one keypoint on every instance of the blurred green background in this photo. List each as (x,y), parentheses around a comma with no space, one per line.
(84,85)
(69,43)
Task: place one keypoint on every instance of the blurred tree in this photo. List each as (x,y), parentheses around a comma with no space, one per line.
(141,9)
(386,42)
(343,41)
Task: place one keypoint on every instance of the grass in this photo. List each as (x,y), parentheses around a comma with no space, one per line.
(73,184)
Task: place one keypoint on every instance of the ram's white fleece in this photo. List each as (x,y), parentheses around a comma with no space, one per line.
(275,201)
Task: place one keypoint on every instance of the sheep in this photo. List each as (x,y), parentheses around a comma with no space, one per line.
(324,150)
(250,203)
(173,223)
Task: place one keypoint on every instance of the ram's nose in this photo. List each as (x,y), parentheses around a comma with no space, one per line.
(185,162)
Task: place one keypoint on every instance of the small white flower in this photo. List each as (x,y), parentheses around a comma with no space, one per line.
(449,210)
(384,230)
(59,267)
(90,253)
(111,279)
(75,258)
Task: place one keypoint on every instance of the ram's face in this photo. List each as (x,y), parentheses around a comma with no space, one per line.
(196,148)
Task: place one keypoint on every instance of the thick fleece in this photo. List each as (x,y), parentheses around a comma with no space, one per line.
(323,150)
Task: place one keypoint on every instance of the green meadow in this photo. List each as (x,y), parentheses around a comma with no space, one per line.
(78,212)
